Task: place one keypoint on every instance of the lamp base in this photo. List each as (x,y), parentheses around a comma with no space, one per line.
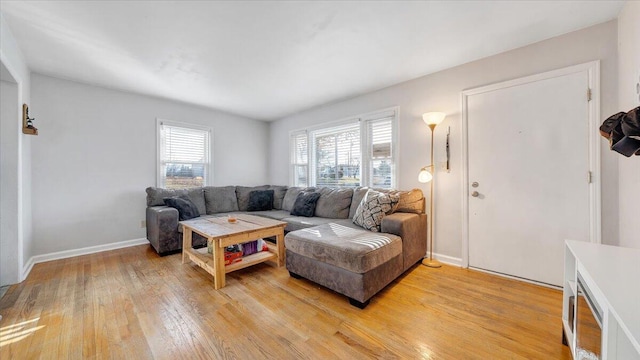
(432,263)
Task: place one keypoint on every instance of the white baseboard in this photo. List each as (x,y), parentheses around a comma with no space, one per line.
(450,260)
(26,269)
(77,252)
(557,287)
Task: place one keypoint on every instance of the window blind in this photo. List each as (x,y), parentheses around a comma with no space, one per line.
(184,145)
(299,158)
(184,156)
(356,152)
(380,151)
(337,155)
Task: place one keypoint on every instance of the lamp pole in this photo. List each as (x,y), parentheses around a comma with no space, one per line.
(431,262)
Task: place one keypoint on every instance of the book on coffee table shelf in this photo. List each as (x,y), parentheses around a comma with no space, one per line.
(235,253)
(230,257)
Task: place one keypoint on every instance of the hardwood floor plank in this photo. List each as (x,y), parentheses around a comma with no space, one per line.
(132,304)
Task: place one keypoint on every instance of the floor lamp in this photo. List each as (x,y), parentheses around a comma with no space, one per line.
(432,119)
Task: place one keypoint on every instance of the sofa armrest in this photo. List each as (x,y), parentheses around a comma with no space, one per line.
(412,228)
(162,229)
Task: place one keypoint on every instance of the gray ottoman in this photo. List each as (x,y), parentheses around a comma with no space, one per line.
(354,262)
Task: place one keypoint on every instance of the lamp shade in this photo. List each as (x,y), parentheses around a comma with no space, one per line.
(424,176)
(433,118)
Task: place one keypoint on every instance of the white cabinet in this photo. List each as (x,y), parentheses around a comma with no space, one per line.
(601,301)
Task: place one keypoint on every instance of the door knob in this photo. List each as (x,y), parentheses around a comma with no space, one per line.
(475,194)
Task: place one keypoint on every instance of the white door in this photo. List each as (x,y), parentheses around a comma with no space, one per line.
(528,174)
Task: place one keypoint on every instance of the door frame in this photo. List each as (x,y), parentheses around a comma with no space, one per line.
(22,270)
(593,73)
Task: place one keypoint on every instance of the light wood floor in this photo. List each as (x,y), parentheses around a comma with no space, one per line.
(132,304)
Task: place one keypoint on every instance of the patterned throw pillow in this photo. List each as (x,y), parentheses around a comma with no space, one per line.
(373,207)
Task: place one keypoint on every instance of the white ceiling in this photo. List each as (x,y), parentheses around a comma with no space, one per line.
(268,59)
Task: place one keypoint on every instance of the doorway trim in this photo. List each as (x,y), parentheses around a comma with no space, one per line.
(22,271)
(593,71)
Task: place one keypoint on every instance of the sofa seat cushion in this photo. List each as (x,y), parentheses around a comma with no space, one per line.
(347,222)
(355,250)
(271,214)
(302,222)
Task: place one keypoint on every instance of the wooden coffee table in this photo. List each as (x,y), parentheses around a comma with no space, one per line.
(221,234)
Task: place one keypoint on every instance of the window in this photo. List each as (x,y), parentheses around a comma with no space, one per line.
(184,155)
(299,154)
(337,156)
(381,163)
(357,152)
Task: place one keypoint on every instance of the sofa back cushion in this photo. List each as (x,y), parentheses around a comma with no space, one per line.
(155,196)
(242,194)
(334,203)
(278,196)
(411,201)
(358,195)
(220,199)
(292,194)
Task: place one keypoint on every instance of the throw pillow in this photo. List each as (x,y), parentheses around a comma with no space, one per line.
(373,207)
(260,200)
(186,208)
(291,195)
(242,193)
(305,204)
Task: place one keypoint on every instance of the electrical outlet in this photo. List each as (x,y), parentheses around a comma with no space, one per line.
(143,224)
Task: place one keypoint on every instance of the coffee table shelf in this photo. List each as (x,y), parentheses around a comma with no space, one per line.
(204,259)
(251,260)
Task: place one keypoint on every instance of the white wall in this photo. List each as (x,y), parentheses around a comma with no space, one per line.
(441,92)
(96,154)
(628,77)
(20,179)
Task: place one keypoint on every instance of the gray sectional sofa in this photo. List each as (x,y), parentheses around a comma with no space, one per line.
(328,248)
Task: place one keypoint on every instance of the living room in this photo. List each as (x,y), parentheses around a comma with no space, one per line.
(77,188)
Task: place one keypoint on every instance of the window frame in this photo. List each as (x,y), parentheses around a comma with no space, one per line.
(208,181)
(366,158)
(323,131)
(367,145)
(293,164)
